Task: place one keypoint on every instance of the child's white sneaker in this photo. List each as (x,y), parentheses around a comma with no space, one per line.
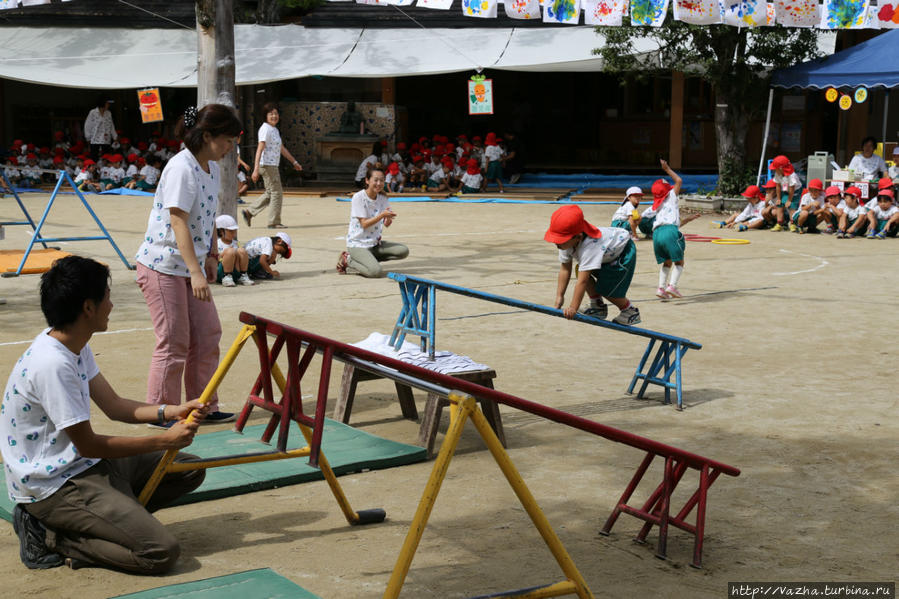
(228,281)
(245,280)
(628,316)
(672,291)
(660,292)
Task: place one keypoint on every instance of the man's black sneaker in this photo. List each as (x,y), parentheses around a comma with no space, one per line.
(32,546)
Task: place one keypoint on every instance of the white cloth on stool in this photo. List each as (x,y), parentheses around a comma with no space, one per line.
(445,362)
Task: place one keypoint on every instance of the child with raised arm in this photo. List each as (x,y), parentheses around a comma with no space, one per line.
(606,260)
(667,241)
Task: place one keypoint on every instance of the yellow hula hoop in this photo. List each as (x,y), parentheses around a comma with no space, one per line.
(731,241)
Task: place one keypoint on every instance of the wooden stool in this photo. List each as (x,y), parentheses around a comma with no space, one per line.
(433,408)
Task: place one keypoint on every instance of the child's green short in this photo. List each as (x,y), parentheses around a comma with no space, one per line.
(614,278)
(144,186)
(494,170)
(467,189)
(221,273)
(622,224)
(785,200)
(668,243)
(862,226)
(105,182)
(811,221)
(433,184)
(646,224)
(881,226)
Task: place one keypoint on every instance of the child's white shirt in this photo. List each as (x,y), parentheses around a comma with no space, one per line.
(432,167)
(259,246)
(437,176)
(624,211)
(132,170)
(591,253)
(881,214)
(667,213)
(751,212)
(362,171)
(83,176)
(150,173)
(224,246)
(785,181)
(116,174)
(807,200)
(397,178)
(851,213)
(473,181)
(648,213)
(493,153)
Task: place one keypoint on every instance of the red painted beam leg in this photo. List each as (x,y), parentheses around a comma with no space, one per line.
(631,487)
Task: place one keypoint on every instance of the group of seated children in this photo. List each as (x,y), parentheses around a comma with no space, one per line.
(255,260)
(841,212)
(436,164)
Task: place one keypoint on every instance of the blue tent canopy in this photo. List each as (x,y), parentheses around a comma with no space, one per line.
(874,63)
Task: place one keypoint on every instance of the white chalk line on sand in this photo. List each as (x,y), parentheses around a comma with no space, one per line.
(799,272)
(103,333)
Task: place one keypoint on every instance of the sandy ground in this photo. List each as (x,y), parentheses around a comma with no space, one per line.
(795,385)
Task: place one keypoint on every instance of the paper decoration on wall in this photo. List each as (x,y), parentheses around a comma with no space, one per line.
(746,13)
(861,94)
(562,11)
(831,94)
(888,15)
(438,4)
(845,102)
(648,12)
(796,13)
(150,105)
(604,12)
(400,2)
(843,14)
(522,9)
(697,12)
(485,9)
(376,2)
(480,95)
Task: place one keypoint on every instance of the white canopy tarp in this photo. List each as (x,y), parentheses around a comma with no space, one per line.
(110,58)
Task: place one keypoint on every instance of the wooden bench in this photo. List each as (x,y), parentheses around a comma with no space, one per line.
(430,421)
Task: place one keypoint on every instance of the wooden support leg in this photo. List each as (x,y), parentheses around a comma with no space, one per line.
(427,433)
(347,394)
(407,402)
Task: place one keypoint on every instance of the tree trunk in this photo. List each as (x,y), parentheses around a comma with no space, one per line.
(731,129)
(215,80)
(267,11)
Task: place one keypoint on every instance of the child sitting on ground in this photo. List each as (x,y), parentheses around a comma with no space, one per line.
(233,259)
(751,216)
(790,184)
(394,178)
(418,174)
(811,209)
(438,179)
(606,260)
(627,217)
(85,179)
(850,214)
(883,219)
(773,212)
(471,180)
(263,252)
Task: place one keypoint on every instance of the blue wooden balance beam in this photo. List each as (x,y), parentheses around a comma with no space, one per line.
(418,317)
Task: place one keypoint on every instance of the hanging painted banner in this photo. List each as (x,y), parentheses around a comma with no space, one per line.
(797,13)
(843,14)
(480,95)
(439,4)
(745,13)
(604,12)
(523,9)
(697,12)
(150,105)
(888,15)
(485,9)
(831,94)
(845,101)
(648,12)
(562,11)
(400,2)
(861,94)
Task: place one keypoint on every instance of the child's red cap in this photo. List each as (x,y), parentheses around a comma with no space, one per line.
(124,140)
(884,183)
(853,191)
(383,142)
(44,150)
(58,135)
(752,191)
(476,138)
(13,159)
(833,190)
(401,146)
(57,160)
(89,162)
(31,156)
(779,162)
(393,169)
(142,146)
(885,192)
(566,222)
(816,184)
(771,184)
(418,158)
(132,157)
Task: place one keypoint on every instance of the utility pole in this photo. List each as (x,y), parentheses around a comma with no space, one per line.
(215,80)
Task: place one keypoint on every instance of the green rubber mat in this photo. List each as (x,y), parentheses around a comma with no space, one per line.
(254,584)
(348,450)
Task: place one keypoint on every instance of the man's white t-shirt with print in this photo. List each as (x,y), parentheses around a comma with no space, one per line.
(47,392)
(271,154)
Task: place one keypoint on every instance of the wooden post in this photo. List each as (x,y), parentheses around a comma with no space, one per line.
(215,80)
(676,121)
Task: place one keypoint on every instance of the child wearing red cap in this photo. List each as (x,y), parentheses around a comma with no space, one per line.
(85,179)
(811,209)
(667,241)
(438,179)
(773,212)
(789,182)
(751,216)
(493,159)
(470,182)
(883,219)
(850,215)
(31,172)
(394,180)
(10,171)
(606,260)
(132,171)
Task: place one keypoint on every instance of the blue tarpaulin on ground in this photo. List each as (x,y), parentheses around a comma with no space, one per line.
(124,191)
(580,181)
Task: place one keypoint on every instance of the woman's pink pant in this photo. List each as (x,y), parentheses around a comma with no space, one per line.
(188,332)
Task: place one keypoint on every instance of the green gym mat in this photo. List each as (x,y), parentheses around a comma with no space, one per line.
(348,450)
(264,583)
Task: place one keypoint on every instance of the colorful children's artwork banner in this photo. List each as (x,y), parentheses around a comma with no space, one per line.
(150,105)
(747,13)
(797,13)
(485,9)
(522,9)
(439,4)
(697,12)
(648,12)
(604,12)
(400,2)
(843,14)
(888,15)
(562,11)
(480,96)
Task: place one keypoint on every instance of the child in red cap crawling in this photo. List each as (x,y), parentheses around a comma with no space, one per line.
(606,260)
